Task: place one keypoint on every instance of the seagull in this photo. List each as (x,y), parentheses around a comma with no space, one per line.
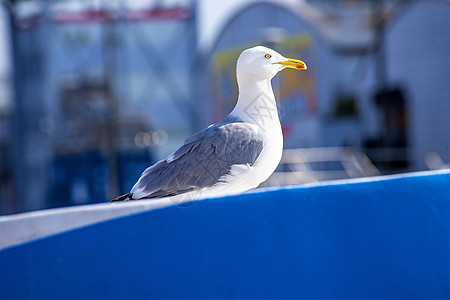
(234,155)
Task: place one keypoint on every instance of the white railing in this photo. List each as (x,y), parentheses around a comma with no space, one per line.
(306,165)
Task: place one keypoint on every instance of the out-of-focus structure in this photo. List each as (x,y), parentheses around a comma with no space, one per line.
(102,90)
(97,87)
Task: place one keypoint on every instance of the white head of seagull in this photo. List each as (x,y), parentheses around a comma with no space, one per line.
(234,155)
(254,70)
(262,63)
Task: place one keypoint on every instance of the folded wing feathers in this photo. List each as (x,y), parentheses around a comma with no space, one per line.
(202,160)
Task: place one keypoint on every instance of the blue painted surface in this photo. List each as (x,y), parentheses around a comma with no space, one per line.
(387,239)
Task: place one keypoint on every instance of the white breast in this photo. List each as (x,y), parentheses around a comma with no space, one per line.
(270,156)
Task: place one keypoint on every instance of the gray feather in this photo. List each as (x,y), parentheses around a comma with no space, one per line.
(204,158)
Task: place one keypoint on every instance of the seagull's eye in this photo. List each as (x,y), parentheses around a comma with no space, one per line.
(267,56)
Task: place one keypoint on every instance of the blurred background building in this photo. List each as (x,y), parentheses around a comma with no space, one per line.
(98,90)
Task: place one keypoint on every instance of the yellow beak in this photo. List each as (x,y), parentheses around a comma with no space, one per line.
(293,63)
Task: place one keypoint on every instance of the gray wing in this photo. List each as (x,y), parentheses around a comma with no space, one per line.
(201,161)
